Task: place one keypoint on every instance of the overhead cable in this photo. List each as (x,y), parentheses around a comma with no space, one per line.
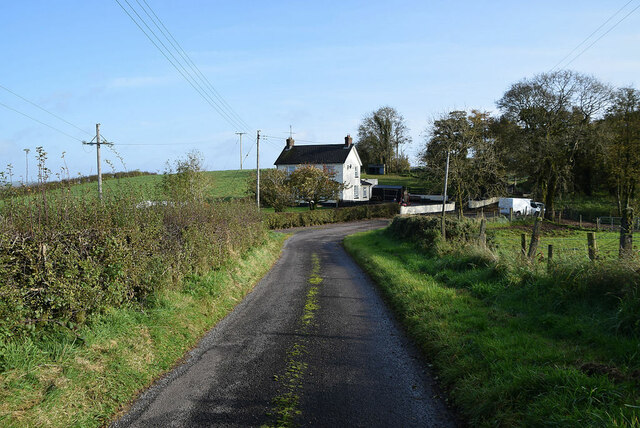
(177,64)
(594,32)
(40,122)
(189,61)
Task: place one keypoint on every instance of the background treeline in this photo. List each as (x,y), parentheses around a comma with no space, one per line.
(555,134)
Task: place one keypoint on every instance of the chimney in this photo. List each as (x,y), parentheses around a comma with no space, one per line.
(348,141)
(290,142)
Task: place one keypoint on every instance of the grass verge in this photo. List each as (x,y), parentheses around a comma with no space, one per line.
(508,350)
(84,378)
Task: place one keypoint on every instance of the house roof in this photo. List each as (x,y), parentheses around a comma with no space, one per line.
(314,154)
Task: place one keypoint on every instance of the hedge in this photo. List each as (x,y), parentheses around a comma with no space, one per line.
(337,215)
(61,261)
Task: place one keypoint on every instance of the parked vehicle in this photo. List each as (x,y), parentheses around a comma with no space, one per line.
(520,206)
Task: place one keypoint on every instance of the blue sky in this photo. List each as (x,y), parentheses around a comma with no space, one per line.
(318,66)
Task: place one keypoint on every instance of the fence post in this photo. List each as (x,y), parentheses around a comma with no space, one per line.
(535,238)
(523,244)
(611,222)
(580,221)
(598,224)
(549,256)
(591,242)
(483,234)
(553,214)
(510,214)
(626,233)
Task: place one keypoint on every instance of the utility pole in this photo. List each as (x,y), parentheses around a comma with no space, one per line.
(97,144)
(444,197)
(26,175)
(258,169)
(240,134)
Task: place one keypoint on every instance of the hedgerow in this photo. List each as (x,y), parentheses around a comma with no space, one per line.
(325,216)
(66,258)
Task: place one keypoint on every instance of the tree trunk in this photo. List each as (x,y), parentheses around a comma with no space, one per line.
(549,199)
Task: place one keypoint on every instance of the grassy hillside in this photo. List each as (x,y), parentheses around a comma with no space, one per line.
(224,185)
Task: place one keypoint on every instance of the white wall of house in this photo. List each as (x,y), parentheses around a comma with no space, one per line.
(348,173)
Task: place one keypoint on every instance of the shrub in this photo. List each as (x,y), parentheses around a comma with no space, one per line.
(317,217)
(426,230)
(66,258)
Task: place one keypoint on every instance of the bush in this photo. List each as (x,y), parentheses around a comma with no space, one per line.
(64,259)
(317,217)
(426,230)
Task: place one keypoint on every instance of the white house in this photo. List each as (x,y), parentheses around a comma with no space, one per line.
(341,159)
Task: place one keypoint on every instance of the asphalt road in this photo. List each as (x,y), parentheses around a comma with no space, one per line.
(313,343)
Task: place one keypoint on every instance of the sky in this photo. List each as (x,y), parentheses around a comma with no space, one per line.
(317,67)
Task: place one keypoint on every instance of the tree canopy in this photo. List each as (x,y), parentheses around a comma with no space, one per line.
(380,135)
(553,114)
(474,167)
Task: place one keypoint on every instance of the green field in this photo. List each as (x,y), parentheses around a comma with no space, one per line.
(224,185)
(410,181)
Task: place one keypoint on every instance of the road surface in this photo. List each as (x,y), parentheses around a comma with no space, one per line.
(312,345)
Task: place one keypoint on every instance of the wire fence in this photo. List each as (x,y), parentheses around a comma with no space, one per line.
(576,246)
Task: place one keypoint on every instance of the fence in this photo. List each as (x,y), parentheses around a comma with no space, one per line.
(613,223)
(575,245)
(483,203)
(427,209)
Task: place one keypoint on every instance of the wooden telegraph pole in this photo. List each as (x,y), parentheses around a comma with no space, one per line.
(258,169)
(240,134)
(444,198)
(97,144)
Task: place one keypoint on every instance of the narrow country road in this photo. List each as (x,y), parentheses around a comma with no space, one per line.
(312,345)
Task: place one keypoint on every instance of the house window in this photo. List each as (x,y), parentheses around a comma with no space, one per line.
(364,192)
(356,191)
(357,171)
(290,169)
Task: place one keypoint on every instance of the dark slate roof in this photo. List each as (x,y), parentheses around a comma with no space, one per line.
(314,154)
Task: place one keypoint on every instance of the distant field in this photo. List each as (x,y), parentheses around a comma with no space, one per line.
(225,185)
(411,182)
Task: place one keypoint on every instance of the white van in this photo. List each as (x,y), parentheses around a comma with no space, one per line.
(520,206)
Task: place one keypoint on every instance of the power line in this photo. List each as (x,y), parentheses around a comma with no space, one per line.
(44,110)
(190,62)
(178,65)
(40,122)
(594,32)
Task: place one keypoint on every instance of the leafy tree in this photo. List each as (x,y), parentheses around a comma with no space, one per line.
(275,189)
(474,167)
(186,180)
(554,115)
(380,135)
(622,155)
(313,184)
